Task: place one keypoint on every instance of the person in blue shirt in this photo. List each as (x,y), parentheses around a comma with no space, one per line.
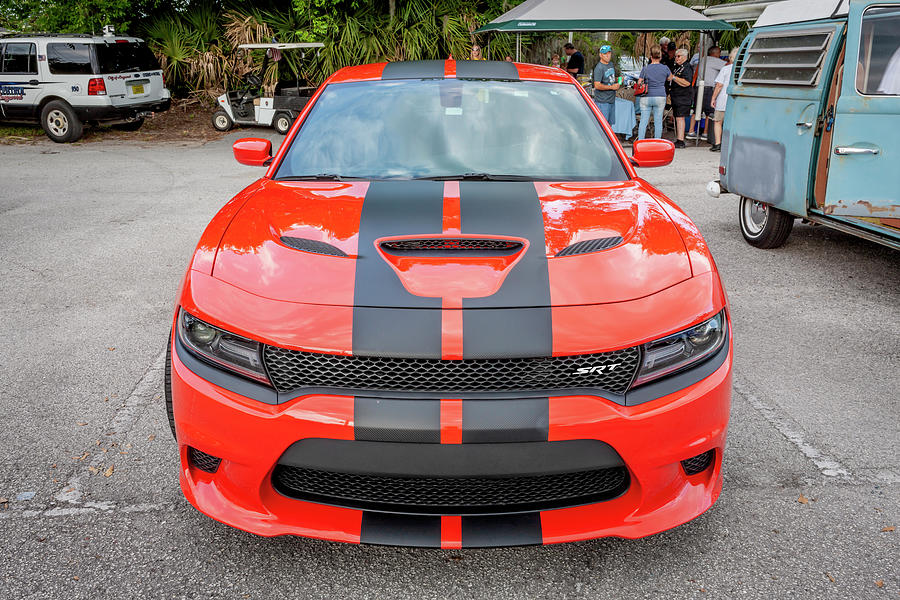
(655,75)
(605,85)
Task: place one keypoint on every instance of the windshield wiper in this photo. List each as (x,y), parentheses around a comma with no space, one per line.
(478,177)
(319,177)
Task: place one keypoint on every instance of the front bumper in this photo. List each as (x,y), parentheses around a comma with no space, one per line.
(251,438)
(127,112)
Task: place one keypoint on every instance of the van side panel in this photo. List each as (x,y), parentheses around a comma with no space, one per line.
(769,139)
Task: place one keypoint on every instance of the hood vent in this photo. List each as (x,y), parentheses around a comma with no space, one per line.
(312,246)
(588,246)
(452,245)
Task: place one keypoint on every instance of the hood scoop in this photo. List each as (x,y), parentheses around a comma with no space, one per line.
(588,246)
(313,246)
(452,246)
(451,267)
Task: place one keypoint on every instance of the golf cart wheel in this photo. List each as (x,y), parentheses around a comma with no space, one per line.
(282,122)
(222,121)
(762,225)
(129,126)
(60,122)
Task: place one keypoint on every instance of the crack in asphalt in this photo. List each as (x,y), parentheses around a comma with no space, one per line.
(121,423)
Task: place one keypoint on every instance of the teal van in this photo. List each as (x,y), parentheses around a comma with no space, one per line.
(812,124)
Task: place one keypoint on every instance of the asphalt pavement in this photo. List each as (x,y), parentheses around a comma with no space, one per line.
(94,239)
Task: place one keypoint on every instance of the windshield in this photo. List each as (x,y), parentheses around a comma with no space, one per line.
(125,57)
(446,128)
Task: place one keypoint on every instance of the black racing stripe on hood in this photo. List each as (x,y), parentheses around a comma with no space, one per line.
(407,325)
(413,69)
(508,208)
(400,530)
(486,69)
(502,530)
(500,421)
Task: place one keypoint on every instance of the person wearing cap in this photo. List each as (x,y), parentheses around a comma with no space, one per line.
(605,85)
(668,57)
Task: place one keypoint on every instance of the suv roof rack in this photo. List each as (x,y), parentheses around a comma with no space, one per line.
(30,35)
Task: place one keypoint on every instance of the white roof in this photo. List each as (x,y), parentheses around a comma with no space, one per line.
(283,46)
(747,10)
(797,11)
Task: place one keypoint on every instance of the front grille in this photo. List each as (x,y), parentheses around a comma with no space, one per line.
(203,461)
(429,244)
(293,369)
(450,495)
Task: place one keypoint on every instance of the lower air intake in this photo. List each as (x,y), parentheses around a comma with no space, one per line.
(203,461)
(699,463)
(450,495)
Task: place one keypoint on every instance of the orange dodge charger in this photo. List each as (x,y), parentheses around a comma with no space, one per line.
(450,314)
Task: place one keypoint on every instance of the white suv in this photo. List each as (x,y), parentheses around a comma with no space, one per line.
(65,80)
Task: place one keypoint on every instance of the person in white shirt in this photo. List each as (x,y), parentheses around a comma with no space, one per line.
(720,98)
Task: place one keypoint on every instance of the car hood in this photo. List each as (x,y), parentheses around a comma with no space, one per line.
(329,243)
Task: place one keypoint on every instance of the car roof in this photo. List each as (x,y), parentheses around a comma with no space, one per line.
(451,69)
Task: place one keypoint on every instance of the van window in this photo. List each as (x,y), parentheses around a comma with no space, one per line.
(69,59)
(125,57)
(785,57)
(878,67)
(19,58)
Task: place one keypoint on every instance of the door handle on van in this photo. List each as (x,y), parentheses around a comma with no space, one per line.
(806,124)
(848,150)
(33,82)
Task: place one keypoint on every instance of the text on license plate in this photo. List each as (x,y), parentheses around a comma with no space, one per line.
(137,89)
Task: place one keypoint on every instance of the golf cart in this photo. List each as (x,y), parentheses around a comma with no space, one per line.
(247,106)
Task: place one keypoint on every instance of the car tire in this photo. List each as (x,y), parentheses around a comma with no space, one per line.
(167,385)
(282,122)
(129,126)
(222,121)
(762,225)
(60,122)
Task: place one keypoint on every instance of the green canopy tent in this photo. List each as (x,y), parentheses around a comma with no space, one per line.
(600,15)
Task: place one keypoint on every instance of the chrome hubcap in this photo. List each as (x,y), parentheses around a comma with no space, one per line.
(755,216)
(57,123)
(283,124)
(221,122)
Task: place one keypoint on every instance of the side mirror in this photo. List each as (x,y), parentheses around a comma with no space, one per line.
(652,153)
(253,151)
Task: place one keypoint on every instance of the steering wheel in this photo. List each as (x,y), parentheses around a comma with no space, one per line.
(252,81)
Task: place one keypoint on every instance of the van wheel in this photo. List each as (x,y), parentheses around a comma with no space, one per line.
(762,225)
(282,122)
(222,121)
(60,122)
(167,385)
(129,126)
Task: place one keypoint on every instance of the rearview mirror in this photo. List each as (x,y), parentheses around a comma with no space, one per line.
(652,153)
(253,151)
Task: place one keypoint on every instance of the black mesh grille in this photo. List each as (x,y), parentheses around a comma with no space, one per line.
(586,246)
(203,461)
(698,463)
(312,246)
(450,495)
(292,369)
(431,244)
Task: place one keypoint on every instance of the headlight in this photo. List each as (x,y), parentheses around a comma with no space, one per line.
(220,347)
(683,349)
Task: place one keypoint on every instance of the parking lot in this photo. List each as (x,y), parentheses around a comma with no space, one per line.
(94,239)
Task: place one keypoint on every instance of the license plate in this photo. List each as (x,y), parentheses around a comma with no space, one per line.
(137,89)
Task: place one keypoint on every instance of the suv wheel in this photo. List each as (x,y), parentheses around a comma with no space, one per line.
(762,225)
(222,121)
(282,122)
(60,122)
(129,126)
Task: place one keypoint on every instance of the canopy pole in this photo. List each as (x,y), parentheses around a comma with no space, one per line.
(570,37)
(518,45)
(701,84)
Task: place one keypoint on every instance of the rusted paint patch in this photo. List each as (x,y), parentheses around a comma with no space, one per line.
(864,208)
